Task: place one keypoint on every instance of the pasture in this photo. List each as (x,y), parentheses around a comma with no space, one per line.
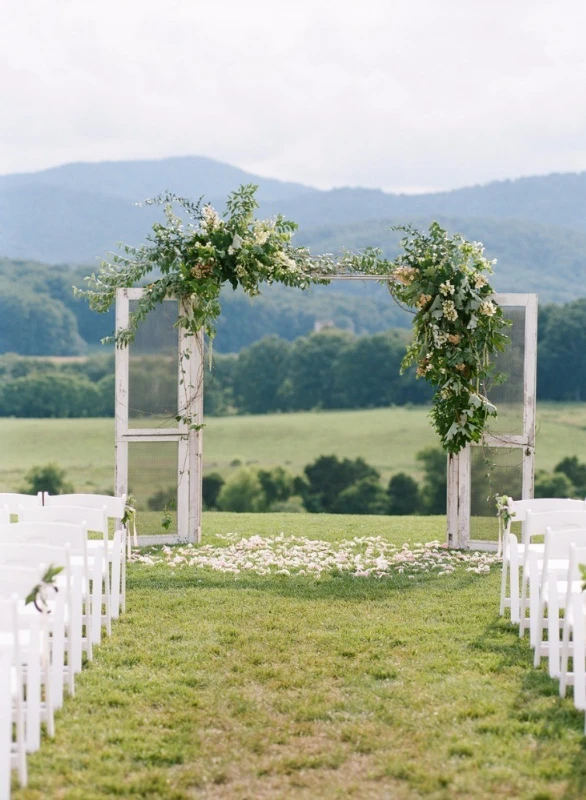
(386,438)
(216,685)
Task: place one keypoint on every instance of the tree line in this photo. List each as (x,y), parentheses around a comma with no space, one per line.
(331,369)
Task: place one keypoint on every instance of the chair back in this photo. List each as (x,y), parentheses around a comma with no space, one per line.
(115,506)
(557,546)
(539,505)
(20,554)
(577,558)
(94,519)
(18,580)
(15,499)
(47,533)
(537,523)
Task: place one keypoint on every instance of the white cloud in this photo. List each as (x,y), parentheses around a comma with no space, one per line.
(393,93)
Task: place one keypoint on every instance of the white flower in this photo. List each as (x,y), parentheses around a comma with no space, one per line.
(488,308)
(449,310)
(236,242)
(447,288)
(211,218)
(480,280)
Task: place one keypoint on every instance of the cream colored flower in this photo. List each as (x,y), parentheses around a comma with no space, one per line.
(480,280)
(488,308)
(423,300)
(405,275)
(447,289)
(449,310)
(211,218)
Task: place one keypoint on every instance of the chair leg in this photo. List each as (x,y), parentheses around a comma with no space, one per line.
(505,570)
(579,669)
(115,578)
(514,579)
(553,630)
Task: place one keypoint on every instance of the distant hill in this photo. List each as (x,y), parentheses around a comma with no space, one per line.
(535,227)
(531,258)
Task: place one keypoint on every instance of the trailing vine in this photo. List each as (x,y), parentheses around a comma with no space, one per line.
(457,326)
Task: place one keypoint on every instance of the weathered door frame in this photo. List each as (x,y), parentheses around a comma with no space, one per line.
(190,402)
(459,466)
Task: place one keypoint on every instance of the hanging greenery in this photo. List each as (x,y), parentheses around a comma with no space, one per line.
(457,328)
(457,325)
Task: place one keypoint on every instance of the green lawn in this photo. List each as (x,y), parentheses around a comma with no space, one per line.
(387,438)
(215,686)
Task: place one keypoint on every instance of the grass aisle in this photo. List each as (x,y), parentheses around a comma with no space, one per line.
(214,686)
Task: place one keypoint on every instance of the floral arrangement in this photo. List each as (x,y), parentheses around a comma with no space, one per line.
(457,328)
(197,253)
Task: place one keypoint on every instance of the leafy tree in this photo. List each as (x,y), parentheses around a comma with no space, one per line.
(211,486)
(435,481)
(49,478)
(553,484)
(277,484)
(575,471)
(242,492)
(366,496)
(33,323)
(327,478)
(311,371)
(50,394)
(562,353)
(259,373)
(403,494)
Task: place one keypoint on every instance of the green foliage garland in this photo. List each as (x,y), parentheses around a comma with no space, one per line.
(457,325)
(457,328)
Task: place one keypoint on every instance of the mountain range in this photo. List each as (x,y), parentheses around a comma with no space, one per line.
(535,227)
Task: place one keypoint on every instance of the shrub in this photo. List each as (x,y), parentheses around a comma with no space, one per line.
(366,496)
(328,476)
(48,478)
(403,494)
(242,492)
(162,499)
(553,484)
(211,485)
(294,505)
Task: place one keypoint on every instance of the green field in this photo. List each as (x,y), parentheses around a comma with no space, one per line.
(237,687)
(387,438)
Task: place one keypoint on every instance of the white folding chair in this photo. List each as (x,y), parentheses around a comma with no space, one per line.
(571,633)
(6,657)
(60,605)
(12,688)
(535,525)
(514,553)
(85,581)
(557,586)
(34,654)
(12,500)
(93,519)
(115,508)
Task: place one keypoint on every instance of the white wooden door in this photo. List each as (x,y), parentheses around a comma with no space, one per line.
(159,384)
(504,462)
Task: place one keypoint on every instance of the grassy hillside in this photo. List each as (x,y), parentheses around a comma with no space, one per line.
(387,438)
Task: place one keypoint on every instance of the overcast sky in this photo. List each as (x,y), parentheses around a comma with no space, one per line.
(406,95)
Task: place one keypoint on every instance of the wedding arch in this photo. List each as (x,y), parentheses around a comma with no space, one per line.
(459,338)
